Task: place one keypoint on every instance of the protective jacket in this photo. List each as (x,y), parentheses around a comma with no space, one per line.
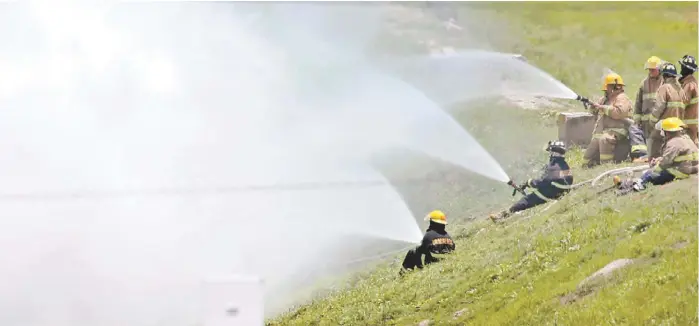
(638,142)
(668,101)
(645,98)
(691,92)
(555,181)
(614,109)
(691,95)
(679,157)
(435,242)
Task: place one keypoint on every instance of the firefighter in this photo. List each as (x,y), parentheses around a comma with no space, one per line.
(645,98)
(553,184)
(688,66)
(679,160)
(435,243)
(668,103)
(611,128)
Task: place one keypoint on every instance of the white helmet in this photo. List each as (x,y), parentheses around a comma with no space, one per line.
(556,146)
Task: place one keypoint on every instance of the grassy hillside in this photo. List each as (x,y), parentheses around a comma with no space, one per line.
(526,271)
(577,41)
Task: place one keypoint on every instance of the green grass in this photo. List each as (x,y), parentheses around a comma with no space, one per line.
(577,41)
(517,272)
(526,270)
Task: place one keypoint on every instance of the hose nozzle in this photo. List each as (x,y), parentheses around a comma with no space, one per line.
(516,188)
(582,99)
(585,101)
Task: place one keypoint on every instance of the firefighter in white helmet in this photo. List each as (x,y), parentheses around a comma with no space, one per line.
(553,184)
(435,243)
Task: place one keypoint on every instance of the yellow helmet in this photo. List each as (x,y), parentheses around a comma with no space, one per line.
(612,78)
(437,216)
(616,180)
(672,124)
(653,63)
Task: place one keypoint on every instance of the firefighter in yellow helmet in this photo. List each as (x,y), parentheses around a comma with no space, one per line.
(691,92)
(611,128)
(668,103)
(436,242)
(679,159)
(645,98)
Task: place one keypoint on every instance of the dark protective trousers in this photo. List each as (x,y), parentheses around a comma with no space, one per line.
(657,178)
(414,259)
(526,202)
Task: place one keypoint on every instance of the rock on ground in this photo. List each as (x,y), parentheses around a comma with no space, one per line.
(605,272)
(459,313)
(594,281)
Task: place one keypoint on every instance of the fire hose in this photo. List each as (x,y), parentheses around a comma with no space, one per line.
(594,181)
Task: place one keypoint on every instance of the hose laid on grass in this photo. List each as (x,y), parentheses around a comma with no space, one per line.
(596,180)
(618,171)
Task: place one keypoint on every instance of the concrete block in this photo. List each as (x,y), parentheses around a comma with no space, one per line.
(575,128)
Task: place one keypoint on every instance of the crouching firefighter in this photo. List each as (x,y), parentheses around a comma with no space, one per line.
(678,161)
(435,243)
(555,182)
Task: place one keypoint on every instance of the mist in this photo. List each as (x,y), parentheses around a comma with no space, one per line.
(149,147)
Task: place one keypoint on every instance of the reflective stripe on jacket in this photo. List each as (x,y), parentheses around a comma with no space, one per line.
(645,98)
(680,157)
(611,117)
(691,94)
(669,101)
(555,181)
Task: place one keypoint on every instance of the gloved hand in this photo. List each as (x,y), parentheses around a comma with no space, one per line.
(525,185)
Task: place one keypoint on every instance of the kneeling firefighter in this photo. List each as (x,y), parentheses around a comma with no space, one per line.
(554,183)
(436,242)
(679,159)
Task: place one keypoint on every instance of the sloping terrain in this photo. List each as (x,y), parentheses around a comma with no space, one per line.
(526,271)
(533,269)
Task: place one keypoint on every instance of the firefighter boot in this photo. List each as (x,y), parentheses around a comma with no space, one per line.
(497,217)
(630,185)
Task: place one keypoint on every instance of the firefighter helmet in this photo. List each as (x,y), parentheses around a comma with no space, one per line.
(689,62)
(653,63)
(672,124)
(556,146)
(612,79)
(437,216)
(669,70)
